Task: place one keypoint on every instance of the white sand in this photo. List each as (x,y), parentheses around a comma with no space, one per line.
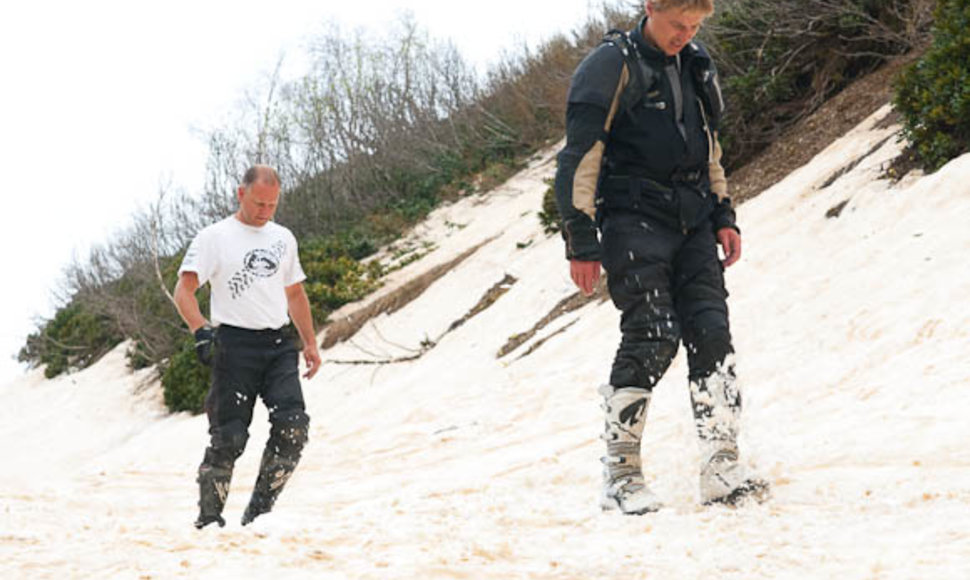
(853,336)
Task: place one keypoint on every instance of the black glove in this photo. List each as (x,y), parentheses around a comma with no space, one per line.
(203,344)
(581,241)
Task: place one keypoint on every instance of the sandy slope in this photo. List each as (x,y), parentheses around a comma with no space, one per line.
(853,335)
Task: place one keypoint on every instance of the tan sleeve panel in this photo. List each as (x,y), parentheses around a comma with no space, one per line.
(588,171)
(585,179)
(718,180)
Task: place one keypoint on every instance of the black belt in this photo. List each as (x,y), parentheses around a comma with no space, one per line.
(681,203)
(285,329)
(688,176)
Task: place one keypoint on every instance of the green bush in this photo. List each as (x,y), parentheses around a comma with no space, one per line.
(549,216)
(426,136)
(335,274)
(933,95)
(779,60)
(74,338)
(185,381)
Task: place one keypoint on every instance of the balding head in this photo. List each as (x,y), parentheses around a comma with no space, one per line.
(260,174)
(258,195)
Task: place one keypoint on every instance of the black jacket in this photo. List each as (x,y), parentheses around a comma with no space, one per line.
(611,135)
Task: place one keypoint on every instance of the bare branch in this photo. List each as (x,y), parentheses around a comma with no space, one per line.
(156,216)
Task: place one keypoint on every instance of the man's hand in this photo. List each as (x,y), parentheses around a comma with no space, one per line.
(299,306)
(730,241)
(312,357)
(585,275)
(203,344)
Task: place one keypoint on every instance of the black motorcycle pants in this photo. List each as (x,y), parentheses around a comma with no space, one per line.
(669,287)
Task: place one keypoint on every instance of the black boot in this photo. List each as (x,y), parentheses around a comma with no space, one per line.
(274,471)
(213,490)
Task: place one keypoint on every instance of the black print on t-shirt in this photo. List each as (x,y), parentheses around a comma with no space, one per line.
(258,263)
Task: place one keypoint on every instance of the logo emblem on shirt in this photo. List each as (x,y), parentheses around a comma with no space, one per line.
(262,263)
(258,263)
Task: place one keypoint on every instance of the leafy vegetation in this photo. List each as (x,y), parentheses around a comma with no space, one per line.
(375,135)
(74,338)
(549,215)
(185,381)
(933,95)
(781,59)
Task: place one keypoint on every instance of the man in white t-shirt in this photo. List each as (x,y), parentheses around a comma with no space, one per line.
(253,269)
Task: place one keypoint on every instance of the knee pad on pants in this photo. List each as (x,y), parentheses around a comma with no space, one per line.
(642,364)
(706,351)
(227,443)
(290,432)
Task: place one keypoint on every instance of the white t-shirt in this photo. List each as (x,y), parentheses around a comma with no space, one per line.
(248,268)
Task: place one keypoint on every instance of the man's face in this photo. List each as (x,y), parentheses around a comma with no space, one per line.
(672,29)
(258,203)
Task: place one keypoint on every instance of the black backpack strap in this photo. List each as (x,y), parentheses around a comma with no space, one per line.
(642,76)
(708,87)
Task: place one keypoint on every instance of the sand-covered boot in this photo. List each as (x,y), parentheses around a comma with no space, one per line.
(213,489)
(288,435)
(623,485)
(274,471)
(716,402)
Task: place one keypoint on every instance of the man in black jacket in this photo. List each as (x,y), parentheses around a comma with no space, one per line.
(642,165)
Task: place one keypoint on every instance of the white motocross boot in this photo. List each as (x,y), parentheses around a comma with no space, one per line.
(623,485)
(717,412)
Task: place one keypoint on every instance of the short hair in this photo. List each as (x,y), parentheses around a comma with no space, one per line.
(260,172)
(705,6)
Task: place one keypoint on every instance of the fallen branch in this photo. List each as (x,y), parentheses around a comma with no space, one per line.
(568,304)
(487,299)
(345,327)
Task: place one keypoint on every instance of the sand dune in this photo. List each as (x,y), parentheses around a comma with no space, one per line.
(853,336)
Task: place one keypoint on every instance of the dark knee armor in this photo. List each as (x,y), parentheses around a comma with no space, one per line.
(289,432)
(287,437)
(646,350)
(226,444)
(708,341)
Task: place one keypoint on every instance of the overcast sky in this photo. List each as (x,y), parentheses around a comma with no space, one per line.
(102,101)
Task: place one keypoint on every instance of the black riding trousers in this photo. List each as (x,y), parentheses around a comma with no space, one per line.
(669,286)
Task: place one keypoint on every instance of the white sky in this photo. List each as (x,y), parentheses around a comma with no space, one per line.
(100,100)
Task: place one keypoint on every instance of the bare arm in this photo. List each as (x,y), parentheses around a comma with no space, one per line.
(186,303)
(299,306)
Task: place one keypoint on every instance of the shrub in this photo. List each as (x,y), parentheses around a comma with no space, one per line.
(75,338)
(185,381)
(549,216)
(374,136)
(335,274)
(933,95)
(779,60)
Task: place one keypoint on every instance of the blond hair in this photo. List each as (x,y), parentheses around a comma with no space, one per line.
(705,6)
